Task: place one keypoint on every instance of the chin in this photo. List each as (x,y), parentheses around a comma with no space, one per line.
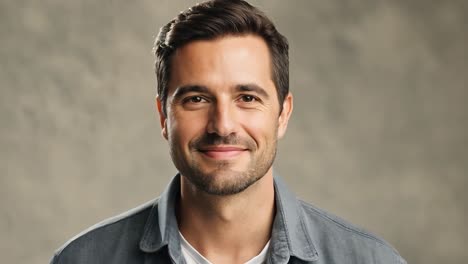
(223,181)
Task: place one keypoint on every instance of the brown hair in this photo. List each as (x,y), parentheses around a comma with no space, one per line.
(217,18)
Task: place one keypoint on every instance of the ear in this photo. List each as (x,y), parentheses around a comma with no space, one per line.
(285,114)
(162,118)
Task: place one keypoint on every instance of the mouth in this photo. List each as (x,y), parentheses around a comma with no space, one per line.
(222,152)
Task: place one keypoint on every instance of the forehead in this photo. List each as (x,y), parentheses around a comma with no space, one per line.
(222,62)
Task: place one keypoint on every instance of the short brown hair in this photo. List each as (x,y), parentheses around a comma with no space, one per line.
(217,18)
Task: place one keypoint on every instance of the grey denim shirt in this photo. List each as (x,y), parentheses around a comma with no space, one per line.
(301,234)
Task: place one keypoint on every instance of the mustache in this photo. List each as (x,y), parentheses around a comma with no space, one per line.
(214,139)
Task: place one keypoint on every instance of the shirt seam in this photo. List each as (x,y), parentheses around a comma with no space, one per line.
(310,246)
(349,228)
(113,220)
(285,226)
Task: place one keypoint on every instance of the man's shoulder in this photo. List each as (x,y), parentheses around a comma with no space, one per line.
(121,232)
(337,238)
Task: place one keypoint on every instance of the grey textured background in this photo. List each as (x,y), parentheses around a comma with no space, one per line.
(378,135)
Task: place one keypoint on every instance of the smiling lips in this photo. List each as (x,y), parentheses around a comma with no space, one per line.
(222,152)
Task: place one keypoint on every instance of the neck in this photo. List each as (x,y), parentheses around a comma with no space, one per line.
(227,229)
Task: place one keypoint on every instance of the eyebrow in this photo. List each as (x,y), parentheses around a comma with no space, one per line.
(252,87)
(249,87)
(185,89)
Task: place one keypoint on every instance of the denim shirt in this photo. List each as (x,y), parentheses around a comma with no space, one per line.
(301,233)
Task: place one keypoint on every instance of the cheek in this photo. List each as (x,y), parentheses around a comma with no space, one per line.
(261,126)
(185,127)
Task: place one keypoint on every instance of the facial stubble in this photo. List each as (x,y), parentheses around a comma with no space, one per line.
(222,180)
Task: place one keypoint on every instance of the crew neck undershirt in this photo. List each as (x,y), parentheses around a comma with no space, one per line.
(192,256)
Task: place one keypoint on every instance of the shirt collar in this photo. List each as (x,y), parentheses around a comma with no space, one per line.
(161,229)
(290,236)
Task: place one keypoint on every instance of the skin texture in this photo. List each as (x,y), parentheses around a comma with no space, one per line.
(222,125)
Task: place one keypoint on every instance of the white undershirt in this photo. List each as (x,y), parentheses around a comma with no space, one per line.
(192,256)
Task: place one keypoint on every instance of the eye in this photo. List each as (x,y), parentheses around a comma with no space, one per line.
(248,98)
(194,99)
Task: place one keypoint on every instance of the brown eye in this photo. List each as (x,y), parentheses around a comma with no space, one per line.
(248,98)
(194,99)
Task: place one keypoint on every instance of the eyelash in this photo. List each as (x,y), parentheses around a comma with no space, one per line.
(242,98)
(190,99)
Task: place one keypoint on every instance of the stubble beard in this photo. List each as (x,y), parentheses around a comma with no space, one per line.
(222,180)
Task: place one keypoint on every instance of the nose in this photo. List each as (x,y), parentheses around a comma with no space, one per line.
(222,119)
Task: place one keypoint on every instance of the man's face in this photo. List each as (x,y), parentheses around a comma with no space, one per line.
(223,117)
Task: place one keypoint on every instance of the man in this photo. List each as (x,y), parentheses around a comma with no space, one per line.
(224,101)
